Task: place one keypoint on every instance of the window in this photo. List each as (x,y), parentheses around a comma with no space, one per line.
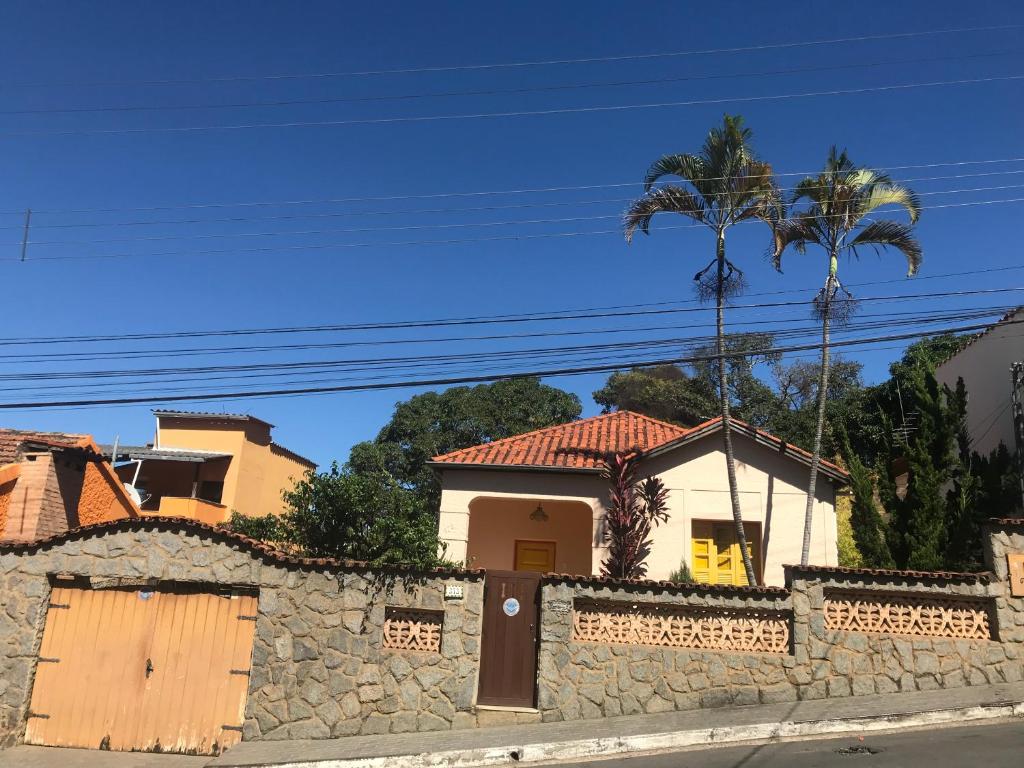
(211,490)
(716,553)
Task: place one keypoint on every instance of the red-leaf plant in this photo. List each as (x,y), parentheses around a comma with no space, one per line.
(635,507)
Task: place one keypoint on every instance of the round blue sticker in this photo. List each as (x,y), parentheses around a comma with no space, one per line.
(510,607)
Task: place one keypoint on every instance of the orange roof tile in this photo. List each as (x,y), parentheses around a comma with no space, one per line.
(11,440)
(576,445)
(583,444)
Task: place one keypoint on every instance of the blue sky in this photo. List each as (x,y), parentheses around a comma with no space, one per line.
(58,55)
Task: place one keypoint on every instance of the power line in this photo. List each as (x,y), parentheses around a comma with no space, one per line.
(435,382)
(409,243)
(513,113)
(493,91)
(585,313)
(406,360)
(479,193)
(413,227)
(517,64)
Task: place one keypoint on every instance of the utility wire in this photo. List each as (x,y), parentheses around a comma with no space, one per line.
(494,91)
(409,243)
(472,193)
(514,113)
(436,382)
(517,64)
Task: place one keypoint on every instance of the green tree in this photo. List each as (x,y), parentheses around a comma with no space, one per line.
(357,516)
(435,423)
(837,219)
(918,535)
(665,392)
(725,184)
(869,529)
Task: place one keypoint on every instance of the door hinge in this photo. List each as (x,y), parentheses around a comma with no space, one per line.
(47,660)
(239,672)
(58,605)
(38,715)
(232,728)
(245,617)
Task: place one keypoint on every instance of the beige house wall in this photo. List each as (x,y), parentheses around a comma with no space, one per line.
(771,493)
(258,472)
(984,366)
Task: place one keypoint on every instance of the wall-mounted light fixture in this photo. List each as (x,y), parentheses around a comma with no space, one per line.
(539,515)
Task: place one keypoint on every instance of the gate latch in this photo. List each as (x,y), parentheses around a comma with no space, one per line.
(149,668)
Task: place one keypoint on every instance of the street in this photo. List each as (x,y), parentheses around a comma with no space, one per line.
(995,746)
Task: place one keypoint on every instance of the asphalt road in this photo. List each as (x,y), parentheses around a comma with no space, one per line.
(991,746)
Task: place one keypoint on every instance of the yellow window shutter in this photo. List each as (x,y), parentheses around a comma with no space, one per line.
(703,554)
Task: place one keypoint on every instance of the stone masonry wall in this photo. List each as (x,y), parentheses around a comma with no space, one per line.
(318,668)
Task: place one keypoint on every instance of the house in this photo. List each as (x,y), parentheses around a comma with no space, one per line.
(53,481)
(535,502)
(204,466)
(984,365)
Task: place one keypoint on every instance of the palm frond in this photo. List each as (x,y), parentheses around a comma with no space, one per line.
(891,234)
(670,199)
(876,195)
(692,168)
(795,233)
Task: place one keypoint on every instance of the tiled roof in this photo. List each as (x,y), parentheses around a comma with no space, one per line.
(278,448)
(982,577)
(1007,318)
(194,527)
(576,445)
(582,444)
(11,440)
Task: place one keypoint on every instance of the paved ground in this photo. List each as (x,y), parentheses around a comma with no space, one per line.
(47,757)
(991,746)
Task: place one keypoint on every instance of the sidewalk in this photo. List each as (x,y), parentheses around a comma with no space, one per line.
(579,739)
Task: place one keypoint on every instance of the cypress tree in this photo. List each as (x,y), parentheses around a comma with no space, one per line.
(867,524)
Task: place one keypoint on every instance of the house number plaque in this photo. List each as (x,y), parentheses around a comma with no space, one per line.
(1016,565)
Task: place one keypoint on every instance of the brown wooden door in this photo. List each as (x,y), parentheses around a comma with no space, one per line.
(508,653)
(142,669)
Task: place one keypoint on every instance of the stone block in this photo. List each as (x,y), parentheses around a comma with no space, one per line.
(780,692)
(838,686)
(716,697)
(376,724)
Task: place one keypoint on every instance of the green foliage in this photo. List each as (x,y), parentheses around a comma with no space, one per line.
(268,528)
(866,523)
(682,574)
(360,516)
(666,392)
(435,423)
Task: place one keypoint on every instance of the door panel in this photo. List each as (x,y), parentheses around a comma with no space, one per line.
(508,648)
(537,556)
(143,669)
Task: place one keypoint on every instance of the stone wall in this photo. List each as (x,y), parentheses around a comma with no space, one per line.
(318,668)
(338,649)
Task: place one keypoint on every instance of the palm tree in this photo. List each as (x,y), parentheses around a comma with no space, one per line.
(725,184)
(840,201)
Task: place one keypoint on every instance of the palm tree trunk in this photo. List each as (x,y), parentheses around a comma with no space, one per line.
(805,552)
(723,394)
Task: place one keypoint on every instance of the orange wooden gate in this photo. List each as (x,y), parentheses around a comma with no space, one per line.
(143,669)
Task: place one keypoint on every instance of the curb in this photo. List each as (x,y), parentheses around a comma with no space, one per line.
(656,742)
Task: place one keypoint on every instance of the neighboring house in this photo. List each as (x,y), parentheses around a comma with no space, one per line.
(205,466)
(984,365)
(536,502)
(53,481)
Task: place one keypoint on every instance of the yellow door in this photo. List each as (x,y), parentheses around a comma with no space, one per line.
(716,552)
(142,669)
(536,556)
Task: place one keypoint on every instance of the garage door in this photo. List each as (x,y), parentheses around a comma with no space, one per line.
(163,670)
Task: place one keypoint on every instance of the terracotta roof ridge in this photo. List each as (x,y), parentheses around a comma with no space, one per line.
(254,546)
(981,334)
(565,425)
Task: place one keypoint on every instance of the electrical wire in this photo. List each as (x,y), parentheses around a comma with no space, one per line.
(449,381)
(513,113)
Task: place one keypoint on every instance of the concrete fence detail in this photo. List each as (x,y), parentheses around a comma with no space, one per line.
(342,649)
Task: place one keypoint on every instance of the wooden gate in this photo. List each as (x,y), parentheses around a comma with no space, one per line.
(143,669)
(508,647)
